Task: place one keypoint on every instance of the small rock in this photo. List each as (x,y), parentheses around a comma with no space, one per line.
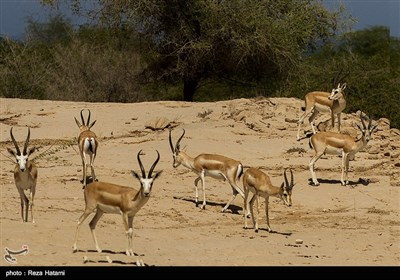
(374,156)
(289,120)
(325,210)
(387,154)
(127,122)
(397,164)
(299,241)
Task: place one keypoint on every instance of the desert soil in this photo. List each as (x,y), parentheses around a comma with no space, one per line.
(354,225)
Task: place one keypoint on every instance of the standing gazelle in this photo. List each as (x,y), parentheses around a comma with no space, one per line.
(216,166)
(259,183)
(324,102)
(87,142)
(25,175)
(105,197)
(334,143)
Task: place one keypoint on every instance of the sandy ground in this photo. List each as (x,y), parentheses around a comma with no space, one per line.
(355,225)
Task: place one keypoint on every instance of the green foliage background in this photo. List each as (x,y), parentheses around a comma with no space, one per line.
(115,63)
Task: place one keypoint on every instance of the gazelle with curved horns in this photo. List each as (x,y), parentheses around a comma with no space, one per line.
(212,165)
(333,143)
(25,175)
(105,197)
(88,144)
(259,183)
(324,102)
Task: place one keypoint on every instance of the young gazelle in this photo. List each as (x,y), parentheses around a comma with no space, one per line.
(88,144)
(216,166)
(259,183)
(334,143)
(105,197)
(25,175)
(324,102)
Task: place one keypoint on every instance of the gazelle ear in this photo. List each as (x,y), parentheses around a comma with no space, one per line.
(92,124)
(31,150)
(157,174)
(283,185)
(343,86)
(11,151)
(77,122)
(135,174)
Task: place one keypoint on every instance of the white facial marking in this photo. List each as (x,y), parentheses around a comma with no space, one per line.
(21,160)
(146,184)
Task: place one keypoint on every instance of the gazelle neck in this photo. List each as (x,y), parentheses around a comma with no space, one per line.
(360,143)
(140,198)
(187,161)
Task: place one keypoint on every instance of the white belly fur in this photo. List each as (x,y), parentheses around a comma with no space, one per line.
(322,108)
(109,209)
(333,151)
(215,174)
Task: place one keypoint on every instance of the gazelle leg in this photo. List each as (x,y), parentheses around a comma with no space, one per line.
(338,118)
(130,234)
(92,157)
(80,221)
(245,206)
(255,223)
(84,161)
(22,209)
(266,213)
(347,168)
(311,120)
(92,226)
(234,194)
(333,120)
(344,159)
(24,205)
(31,197)
(202,176)
(196,190)
(312,163)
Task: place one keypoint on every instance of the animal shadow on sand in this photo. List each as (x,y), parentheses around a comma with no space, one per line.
(362,181)
(108,260)
(235,209)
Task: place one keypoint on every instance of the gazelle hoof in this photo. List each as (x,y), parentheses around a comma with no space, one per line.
(203,207)
(256,230)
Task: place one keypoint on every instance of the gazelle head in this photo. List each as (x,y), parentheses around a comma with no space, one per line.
(176,151)
(21,158)
(367,130)
(82,126)
(286,188)
(338,92)
(146,182)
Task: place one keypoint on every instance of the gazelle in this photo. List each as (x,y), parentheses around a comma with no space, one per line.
(259,183)
(25,175)
(105,197)
(334,143)
(324,102)
(216,166)
(88,144)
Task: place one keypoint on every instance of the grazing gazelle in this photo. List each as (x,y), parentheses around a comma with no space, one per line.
(324,102)
(259,183)
(105,197)
(334,143)
(87,142)
(216,166)
(25,175)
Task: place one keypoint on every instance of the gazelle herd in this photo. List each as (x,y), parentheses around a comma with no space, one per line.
(104,197)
